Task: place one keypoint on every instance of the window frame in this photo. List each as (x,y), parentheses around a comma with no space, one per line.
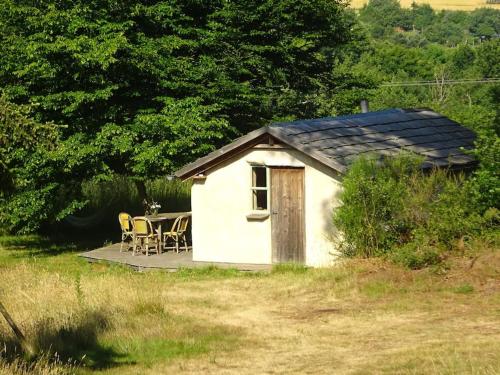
(259,188)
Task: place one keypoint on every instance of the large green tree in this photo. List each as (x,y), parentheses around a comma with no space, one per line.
(143,87)
(20,136)
(26,170)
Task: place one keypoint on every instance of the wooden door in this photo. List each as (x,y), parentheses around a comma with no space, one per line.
(287,220)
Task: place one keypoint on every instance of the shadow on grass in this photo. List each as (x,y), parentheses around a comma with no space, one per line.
(33,245)
(74,342)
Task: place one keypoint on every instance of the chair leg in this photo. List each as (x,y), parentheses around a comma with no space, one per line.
(185,242)
(127,240)
(138,246)
(165,242)
(174,240)
(158,239)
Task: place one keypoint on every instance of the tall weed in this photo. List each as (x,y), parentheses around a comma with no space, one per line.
(106,199)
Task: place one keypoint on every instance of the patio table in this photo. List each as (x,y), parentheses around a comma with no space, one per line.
(159,219)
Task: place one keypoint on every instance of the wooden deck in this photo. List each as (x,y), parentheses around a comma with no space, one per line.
(169,261)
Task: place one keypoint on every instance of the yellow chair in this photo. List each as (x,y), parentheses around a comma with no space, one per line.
(127,227)
(177,233)
(145,236)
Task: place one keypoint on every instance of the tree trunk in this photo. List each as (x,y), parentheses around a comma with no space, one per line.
(22,340)
(143,195)
(141,189)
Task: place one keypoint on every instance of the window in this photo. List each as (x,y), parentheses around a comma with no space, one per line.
(259,188)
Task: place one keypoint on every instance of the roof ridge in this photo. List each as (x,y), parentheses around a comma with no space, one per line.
(342,117)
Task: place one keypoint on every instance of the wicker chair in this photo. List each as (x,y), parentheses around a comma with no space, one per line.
(127,226)
(145,237)
(177,234)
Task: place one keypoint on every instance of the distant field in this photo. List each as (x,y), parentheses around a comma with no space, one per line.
(440,4)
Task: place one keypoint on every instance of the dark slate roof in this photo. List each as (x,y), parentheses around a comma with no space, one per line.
(337,141)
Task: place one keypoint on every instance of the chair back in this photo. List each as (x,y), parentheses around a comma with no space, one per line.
(183,224)
(180,224)
(142,226)
(125,221)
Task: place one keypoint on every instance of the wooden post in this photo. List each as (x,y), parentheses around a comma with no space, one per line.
(27,347)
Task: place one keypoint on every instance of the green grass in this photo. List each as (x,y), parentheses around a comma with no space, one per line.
(366,316)
(51,255)
(150,351)
(103,337)
(289,268)
(208,272)
(464,289)
(378,289)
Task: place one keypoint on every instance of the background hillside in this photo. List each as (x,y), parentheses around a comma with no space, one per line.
(440,4)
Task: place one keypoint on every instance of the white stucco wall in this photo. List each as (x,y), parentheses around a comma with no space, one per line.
(220,204)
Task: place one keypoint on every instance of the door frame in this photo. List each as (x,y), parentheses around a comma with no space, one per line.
(271,208)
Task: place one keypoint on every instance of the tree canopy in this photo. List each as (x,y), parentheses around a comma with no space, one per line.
(137,89)
(104,68)
(19,137)
(142,87)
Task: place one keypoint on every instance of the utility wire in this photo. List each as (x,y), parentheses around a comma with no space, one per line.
(441,82)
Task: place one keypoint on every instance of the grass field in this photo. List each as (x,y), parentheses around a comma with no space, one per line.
(440,4)
(360,317)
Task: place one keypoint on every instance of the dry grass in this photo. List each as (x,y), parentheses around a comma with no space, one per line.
(360,317)
(42,366)
(440,4)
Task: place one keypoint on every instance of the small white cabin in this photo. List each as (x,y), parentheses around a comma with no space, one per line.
(268,197)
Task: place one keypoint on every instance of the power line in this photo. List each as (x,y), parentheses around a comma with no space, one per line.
(441,82)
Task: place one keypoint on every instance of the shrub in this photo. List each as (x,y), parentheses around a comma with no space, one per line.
(372,200)
(450,214)
(416,255)
(484,185)
(393,207)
